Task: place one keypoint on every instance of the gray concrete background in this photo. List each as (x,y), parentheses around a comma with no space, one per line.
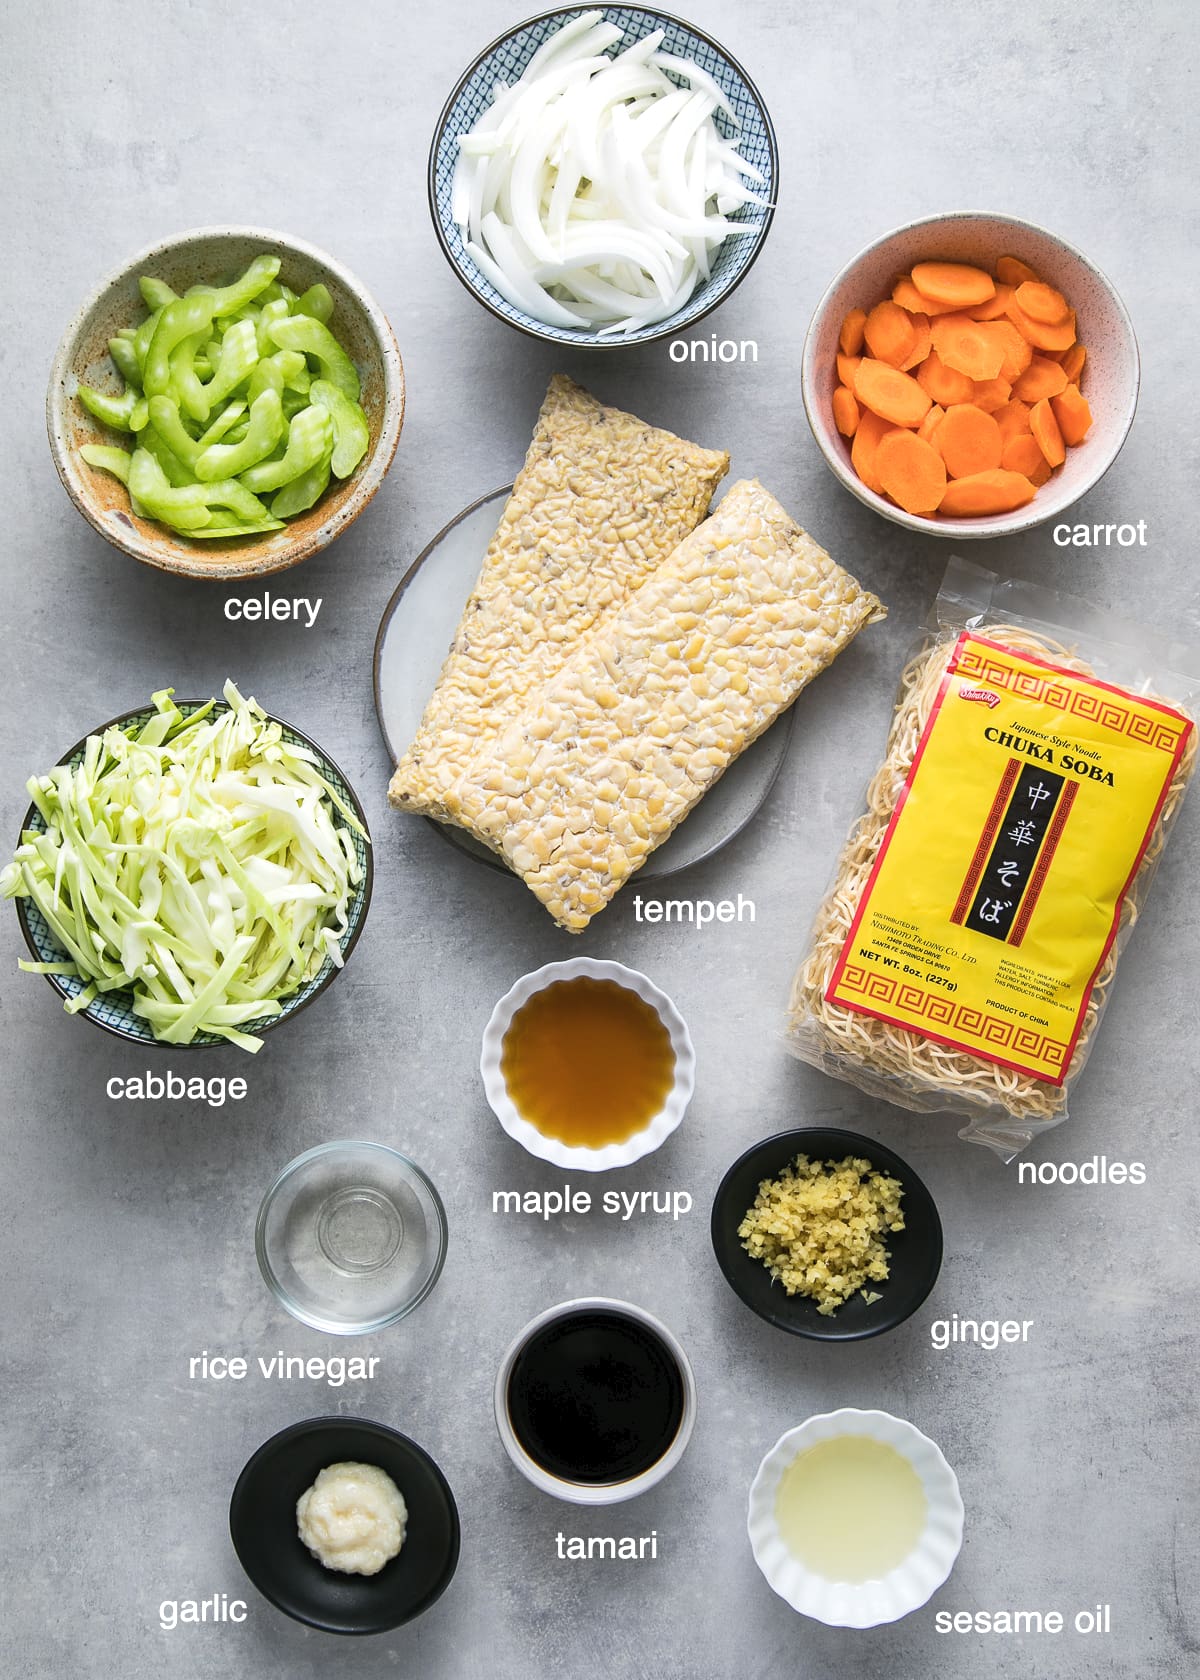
(128,1229)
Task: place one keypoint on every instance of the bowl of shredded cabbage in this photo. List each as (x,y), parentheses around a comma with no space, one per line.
(603,176)
(192,873)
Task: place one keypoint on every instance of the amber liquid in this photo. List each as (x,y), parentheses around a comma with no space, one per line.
(587,1062)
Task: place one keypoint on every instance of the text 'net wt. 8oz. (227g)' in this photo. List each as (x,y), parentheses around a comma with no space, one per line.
(963,956)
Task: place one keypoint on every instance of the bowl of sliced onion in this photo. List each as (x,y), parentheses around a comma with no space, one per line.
(603,176)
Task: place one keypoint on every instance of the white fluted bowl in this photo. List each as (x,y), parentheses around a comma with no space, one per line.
(859,1604)
(576,1156)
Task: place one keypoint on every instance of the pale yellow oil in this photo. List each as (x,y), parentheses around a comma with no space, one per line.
(851,1509)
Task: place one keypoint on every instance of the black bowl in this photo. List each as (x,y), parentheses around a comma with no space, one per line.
(916,1252)
(262,1523)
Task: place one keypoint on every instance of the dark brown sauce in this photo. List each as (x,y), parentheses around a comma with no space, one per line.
(595,1397)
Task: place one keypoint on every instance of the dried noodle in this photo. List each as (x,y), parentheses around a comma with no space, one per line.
(891,1061)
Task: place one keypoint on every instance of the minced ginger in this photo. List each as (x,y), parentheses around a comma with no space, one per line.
(819,1228)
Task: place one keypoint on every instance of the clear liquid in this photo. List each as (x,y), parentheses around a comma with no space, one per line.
(851,1509)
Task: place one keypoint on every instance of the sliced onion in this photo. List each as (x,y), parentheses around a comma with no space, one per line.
(521,291)
(700,80)
(595,191)
(555,44)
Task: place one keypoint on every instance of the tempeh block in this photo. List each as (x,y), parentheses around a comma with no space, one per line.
(601,766)
(602,499)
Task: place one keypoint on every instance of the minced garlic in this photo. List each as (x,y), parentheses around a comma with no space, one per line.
(352,1518)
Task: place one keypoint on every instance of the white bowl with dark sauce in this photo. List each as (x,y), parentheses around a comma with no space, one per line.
(595,1401)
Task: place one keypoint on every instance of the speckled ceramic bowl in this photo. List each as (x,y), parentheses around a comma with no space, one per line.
(1110,378)
(216,256)
(575,1157)
(859,1604)
(505,59)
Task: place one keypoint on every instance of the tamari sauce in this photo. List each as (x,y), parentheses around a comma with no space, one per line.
(595,1397)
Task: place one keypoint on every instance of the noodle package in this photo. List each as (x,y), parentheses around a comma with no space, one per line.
(963,956)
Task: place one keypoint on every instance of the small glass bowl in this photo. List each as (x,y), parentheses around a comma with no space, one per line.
(351,1237)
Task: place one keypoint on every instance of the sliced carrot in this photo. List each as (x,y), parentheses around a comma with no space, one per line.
(1018,352)
(969,441)
(1013,271)
(1044,427)
(970,347)
(907,296)
(1012,419)
(845,411)
(931,422)
(972,381)
(911,471)
(890,334)
(1042,303)
(893,395)
(1061,336)
(1072,363)
(1074,416)
(933,308)
(1042,378)
(922,345)
(957,284)
(1021,454)
(943,384)
(850,339)
(991,394)
(871,431)
(994,307)
(994,491)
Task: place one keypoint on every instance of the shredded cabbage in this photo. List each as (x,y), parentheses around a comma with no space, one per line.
(195,863)
(596,191)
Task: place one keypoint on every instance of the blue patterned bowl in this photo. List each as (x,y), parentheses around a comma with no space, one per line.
(506,59)
(113,1011)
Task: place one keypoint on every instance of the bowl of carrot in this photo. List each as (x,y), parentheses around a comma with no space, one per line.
(970,375)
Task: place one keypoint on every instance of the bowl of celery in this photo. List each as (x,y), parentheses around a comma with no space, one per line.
(226,403)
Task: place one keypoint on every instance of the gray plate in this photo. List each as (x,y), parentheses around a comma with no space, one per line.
(418,627)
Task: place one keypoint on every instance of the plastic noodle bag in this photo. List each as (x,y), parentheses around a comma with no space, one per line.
(961,960)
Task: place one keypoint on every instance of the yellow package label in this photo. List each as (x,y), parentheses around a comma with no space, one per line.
(997,891)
